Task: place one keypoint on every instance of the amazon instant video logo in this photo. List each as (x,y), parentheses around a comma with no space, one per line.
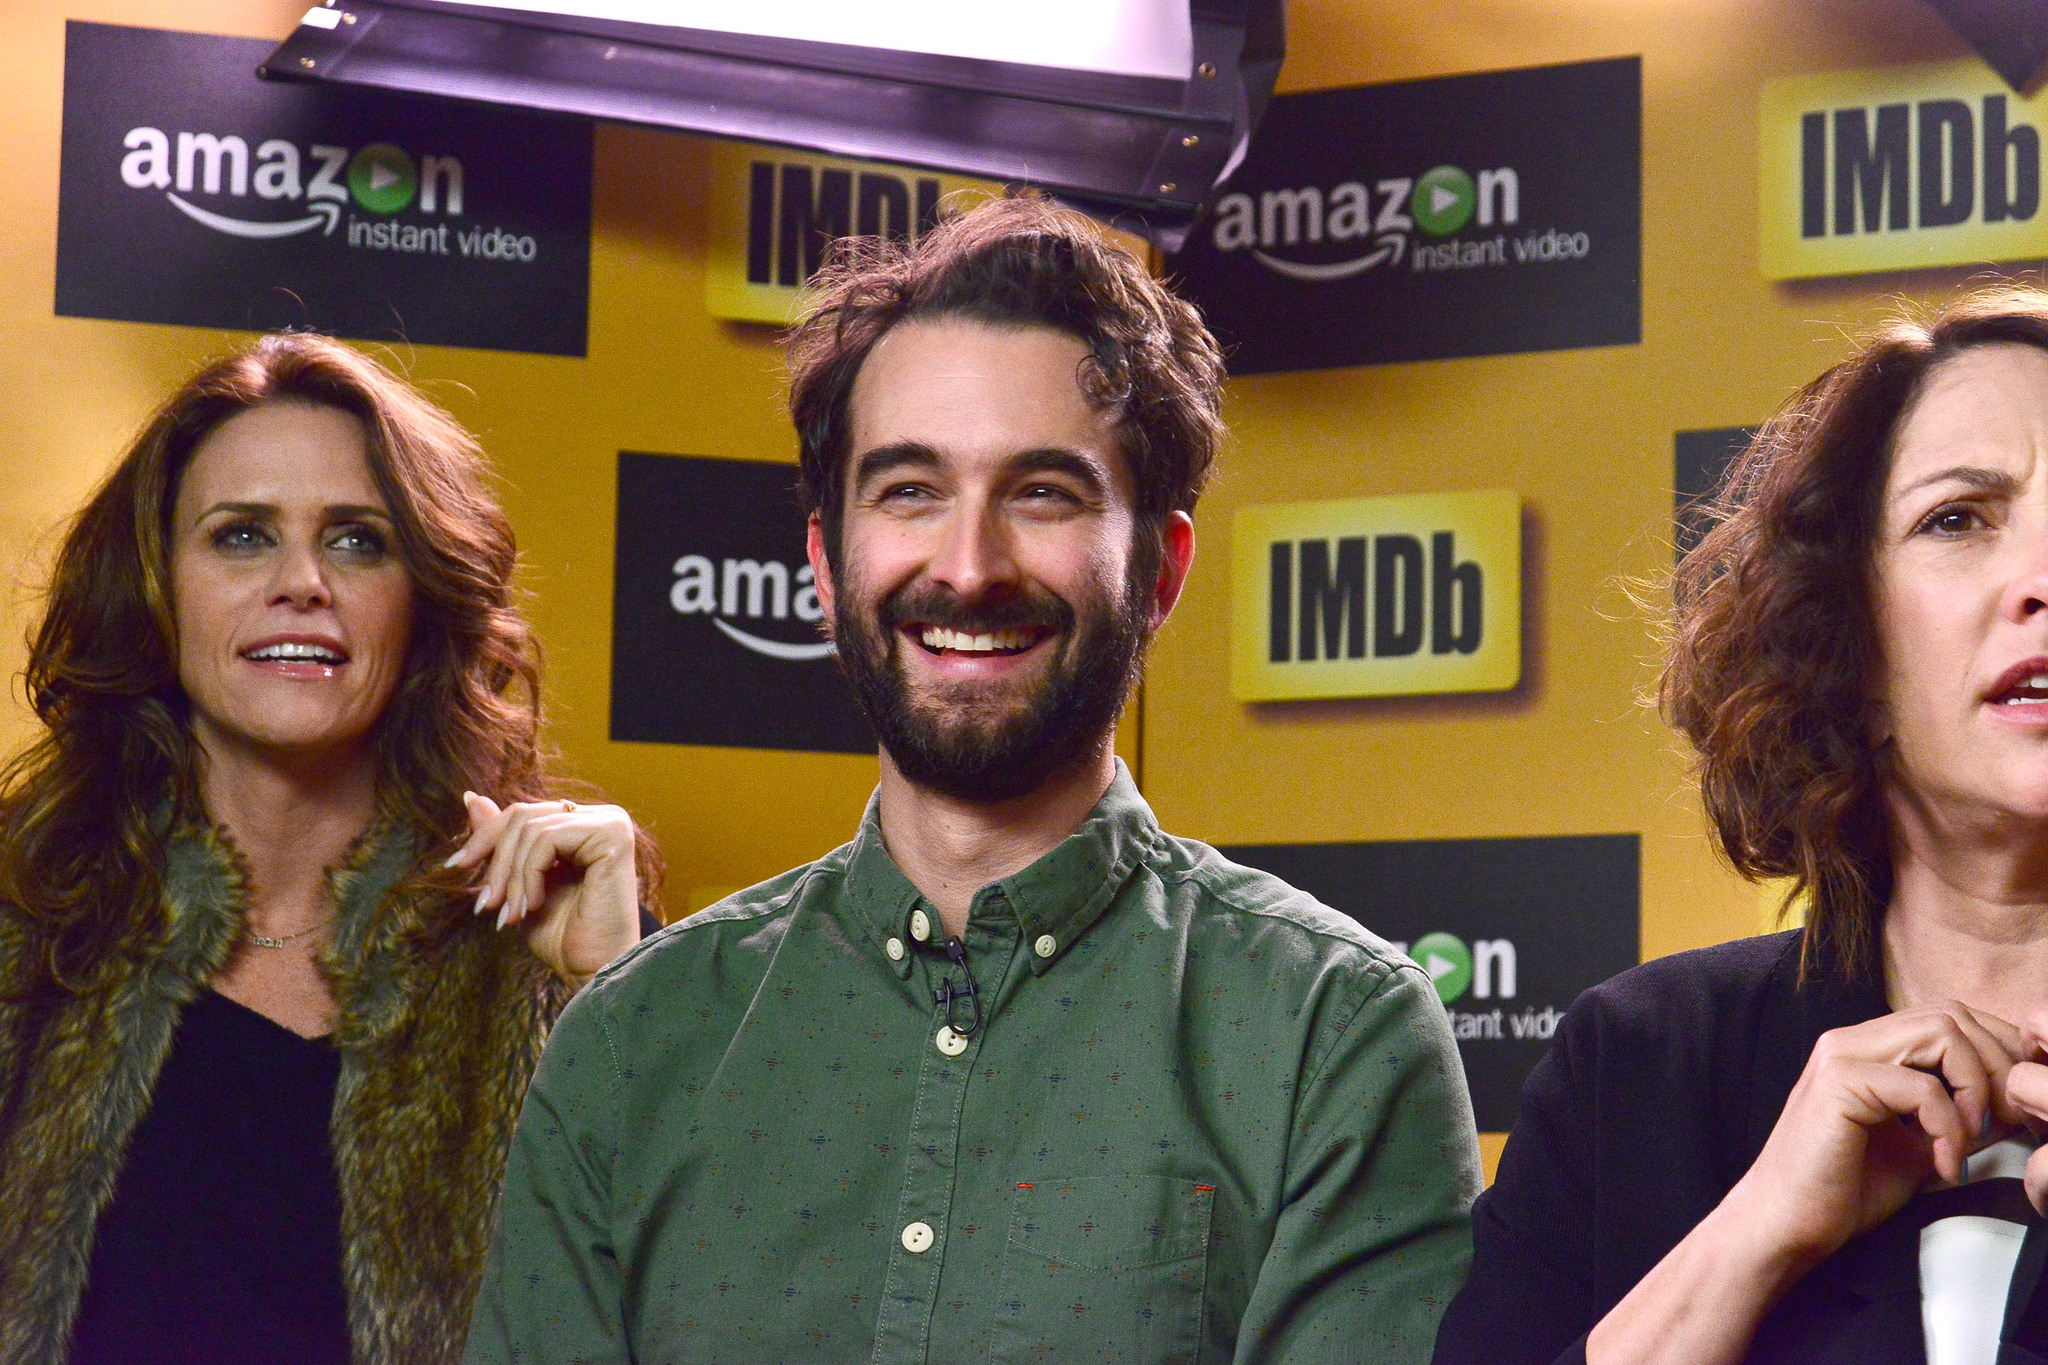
(278,188)
(1419,220)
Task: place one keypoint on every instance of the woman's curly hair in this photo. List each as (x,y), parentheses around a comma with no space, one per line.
(1775,666)
(80,860)
(1014,263)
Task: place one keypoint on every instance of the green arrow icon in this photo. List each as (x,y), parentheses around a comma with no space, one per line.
(1448,962)
(1443,200)
(382,178)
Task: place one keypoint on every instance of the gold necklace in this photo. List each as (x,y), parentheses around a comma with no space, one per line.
(264,942)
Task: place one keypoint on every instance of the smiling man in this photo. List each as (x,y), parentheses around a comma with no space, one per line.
(1013,1075)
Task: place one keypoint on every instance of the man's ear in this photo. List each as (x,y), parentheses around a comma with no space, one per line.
(1177,555)
(821,567)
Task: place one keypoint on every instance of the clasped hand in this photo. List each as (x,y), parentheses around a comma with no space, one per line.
(1883,1106)
(562,872)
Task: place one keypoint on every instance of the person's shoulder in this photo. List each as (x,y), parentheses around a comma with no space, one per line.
(1271,915)
(743,928)
(1701,985)
(1689,1022)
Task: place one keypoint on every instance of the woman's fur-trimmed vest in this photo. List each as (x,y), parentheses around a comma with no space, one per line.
(439,1022)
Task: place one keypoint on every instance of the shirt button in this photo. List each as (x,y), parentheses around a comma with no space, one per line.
(917,1238)
(1046,946)
(951,1043)
(894,948)
(920,925)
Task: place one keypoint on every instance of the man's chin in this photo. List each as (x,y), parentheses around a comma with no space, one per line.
(983,780)
(977,754)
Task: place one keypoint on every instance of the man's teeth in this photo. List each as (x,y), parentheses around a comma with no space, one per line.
(938,637)
(297,653)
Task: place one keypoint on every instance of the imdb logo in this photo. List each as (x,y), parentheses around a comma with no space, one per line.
(1377,597)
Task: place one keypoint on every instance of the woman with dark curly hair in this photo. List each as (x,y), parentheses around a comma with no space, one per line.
(1821,1145)
(261,1051)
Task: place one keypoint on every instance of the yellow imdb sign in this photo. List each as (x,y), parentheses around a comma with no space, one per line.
(1377,597)
(774,211)
(1898,168)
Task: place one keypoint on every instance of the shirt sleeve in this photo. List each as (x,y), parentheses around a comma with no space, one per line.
(552,1292)
(1374,1237)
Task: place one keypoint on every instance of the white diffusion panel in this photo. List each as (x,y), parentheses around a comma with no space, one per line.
(1117,37)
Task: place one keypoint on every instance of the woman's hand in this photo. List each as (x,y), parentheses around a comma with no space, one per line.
(2026,1086)
(1880,1107)
(563,873)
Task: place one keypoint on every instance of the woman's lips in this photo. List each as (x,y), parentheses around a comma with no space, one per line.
(299,658)
(2025,684)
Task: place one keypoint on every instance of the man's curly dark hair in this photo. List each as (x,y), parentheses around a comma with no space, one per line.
(1015,262)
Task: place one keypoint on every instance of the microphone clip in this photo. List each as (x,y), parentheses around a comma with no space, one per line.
(948,994)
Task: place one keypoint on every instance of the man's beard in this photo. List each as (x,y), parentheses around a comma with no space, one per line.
(993,748)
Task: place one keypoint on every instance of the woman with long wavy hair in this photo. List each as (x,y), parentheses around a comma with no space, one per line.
(262,1041)
(1823,1145)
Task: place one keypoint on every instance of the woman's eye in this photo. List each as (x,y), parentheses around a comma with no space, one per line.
(363,542)
(239,536)
(1952,521)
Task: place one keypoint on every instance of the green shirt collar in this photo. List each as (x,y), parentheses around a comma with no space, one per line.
(1053,901)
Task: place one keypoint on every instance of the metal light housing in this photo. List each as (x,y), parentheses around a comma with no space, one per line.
(1143,151)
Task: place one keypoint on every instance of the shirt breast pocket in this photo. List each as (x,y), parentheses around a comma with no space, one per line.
(1106,1268)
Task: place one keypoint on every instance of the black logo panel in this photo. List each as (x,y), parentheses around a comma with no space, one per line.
(1458,216)
(193,192)
(716,633)
(1509,930)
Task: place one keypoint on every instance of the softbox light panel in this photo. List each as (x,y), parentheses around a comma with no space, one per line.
(1138,126)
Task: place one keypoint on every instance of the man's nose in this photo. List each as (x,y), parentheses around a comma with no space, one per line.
(975,554)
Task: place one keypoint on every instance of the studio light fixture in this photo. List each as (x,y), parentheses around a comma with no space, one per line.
(2010,35)
(1133,110)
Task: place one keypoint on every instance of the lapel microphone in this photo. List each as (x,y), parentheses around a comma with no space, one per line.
(948,994)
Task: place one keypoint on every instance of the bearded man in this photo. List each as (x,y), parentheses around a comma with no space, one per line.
(1013,1075)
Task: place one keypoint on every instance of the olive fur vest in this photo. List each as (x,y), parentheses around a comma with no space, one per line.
(439,1022)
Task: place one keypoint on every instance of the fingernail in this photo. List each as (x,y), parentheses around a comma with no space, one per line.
(502,912)
(453,858)
(480,901)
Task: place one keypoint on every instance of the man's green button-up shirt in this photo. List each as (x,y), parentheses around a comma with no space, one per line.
(1202,1118)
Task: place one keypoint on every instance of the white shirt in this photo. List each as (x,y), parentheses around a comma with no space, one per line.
(1967,1262)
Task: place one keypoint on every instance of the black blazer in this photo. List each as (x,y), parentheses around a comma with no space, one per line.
(1658,1092)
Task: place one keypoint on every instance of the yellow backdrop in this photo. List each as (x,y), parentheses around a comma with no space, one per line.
(1584,436)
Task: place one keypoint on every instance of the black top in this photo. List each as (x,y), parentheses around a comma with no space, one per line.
(223,1241)
(1658,1093)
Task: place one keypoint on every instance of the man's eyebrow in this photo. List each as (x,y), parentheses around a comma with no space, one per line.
(1057,460)
(1976,476)
(916,455)
(872,464)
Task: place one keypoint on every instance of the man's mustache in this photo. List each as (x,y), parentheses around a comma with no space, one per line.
(932,606)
